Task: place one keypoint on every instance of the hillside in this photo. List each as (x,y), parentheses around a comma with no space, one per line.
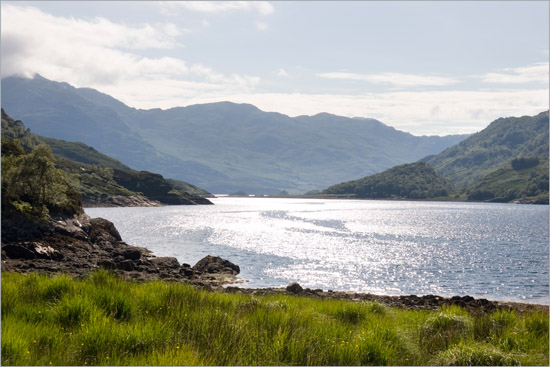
(100,178)
(522,180)
(223,147)
(407,181)
(504,139)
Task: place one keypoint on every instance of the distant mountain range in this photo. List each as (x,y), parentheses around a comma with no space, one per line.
(222,147)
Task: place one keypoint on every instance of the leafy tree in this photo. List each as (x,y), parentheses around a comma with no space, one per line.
(31,185)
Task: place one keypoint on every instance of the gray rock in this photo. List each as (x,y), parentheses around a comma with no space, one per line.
(165,262)
(131,253)
(102,230)
(294,288)
(214,264)
(127,265)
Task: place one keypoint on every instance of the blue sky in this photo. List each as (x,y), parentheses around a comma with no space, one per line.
(434,67)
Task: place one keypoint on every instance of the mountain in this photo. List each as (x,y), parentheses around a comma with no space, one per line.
(100,179)
(492,148)
(407,181)
(223,147)
(523,179)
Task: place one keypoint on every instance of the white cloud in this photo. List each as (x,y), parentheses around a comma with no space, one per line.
(262,26)
(261,7)
(395,79)
(282,73)
(537,73)
(101,54)
(430,112)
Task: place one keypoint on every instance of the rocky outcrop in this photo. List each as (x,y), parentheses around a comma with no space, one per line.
(81,244)
(215,265)
(294,288)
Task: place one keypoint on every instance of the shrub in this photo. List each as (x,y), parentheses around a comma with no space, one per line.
(474,355)
(445,329)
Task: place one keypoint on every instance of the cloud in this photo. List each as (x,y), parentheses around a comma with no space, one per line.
(100,54)
(261,7)
(537,73)
(427,112)
(262,26)
(282,73)
(395,79)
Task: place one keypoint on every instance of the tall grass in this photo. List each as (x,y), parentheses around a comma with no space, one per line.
(103,320)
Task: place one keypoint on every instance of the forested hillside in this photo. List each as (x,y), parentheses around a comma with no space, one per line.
(523,179)
(504,139)
(407,181)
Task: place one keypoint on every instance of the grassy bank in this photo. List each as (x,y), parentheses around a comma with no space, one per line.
(104,320)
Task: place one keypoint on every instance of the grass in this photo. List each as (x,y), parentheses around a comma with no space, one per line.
(103,320)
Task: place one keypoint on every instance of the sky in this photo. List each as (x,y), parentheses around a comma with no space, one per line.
(428,68)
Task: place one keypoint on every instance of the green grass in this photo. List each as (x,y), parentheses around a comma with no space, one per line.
(103,320)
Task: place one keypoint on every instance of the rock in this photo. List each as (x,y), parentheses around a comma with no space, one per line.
(215,264)
(127,265)
(294,288)
(47,252)
(130,253)
(187,271)
(76,227)
(164,263)
(18,251)
(103,230)
(106,264)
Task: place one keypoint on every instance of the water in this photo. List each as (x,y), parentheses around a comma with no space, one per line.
(494,251)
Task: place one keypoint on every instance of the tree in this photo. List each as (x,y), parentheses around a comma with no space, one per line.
(31,185)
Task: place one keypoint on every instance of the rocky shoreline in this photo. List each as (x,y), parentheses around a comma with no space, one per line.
(429,302)
(79,245)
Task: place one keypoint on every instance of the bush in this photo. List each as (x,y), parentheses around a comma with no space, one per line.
(445,329)
(474,355)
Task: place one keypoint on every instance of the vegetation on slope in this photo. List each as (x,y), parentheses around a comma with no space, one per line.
(31,185)
(413,181)
(523,178)
(98,176)
(103,320)
(493,147)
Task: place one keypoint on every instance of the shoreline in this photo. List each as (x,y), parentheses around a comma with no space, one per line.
(442,200)
(428,302)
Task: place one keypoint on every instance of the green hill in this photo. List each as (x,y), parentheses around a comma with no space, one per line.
(99,177)
(408,181)
(504,139)
(522,180)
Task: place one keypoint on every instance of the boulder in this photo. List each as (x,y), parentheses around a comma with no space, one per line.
(103,230)
(294,288)
(164,263)
(130,253)
(214,264)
